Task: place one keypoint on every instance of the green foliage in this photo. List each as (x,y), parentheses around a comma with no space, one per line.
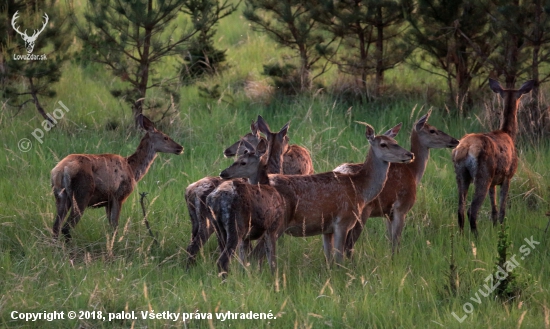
(201,56)
(28,81)
(370,36)
(455,39)
(290,24)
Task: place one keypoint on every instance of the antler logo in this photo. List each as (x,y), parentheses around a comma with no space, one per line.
(29,41)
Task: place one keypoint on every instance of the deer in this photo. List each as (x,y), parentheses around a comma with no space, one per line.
(245,211)
(489,159)
(331,203)
(29,40)
(196,193)
(104,180)
(297,160)
(399,193)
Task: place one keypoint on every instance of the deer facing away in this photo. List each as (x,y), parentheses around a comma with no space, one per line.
(104,180)
(331,203)
(197,193)
(489,159)
(399,193)
(246,211)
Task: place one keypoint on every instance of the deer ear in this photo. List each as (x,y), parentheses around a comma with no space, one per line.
(145,123)
(370,133)
(422,121)
(254,128)
(495,86)
(393,132)
(261,148)
(263,126)
(282,133)
(526,87)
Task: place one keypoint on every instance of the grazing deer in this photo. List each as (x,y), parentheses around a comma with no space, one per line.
(489,159)
(104,180)
(297,160)
(399,194)
(331,203)
(246,211)
(196,193)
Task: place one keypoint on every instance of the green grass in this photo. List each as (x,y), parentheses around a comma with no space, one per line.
(99,272)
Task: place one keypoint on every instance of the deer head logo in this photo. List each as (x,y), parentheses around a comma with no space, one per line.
(29,41)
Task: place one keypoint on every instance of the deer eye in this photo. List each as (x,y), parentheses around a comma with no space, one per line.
(383,145)
(165,138)
(432,131)
(243,163)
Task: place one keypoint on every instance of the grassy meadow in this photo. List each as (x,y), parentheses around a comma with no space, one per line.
(99,271)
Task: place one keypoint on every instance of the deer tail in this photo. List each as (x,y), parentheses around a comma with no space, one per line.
(467,147)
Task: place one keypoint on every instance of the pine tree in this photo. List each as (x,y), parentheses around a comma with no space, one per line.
(369,31)
(201,56)
(448,32)
(29,81)
(132,37)
(288,23)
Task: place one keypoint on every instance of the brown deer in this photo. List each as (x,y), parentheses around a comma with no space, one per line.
(246,211)
(104,180)
(489,159)
(196,193)
(399,194)
(331,203)
(297,160)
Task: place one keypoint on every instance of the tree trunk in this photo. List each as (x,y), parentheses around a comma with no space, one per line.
(463,79)
(379,54)
(137,108)
(39,107)
(362,55)
(305,83)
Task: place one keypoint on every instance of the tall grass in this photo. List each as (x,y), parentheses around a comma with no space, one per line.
(126,272)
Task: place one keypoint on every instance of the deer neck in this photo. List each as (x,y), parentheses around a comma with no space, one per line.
(142,159)
(275,163)
(421,156)
(373,176)
(509,116)
(261,175)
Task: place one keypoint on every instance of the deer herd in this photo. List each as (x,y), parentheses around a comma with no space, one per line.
(271,188)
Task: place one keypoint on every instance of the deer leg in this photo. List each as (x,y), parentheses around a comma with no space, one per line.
(463,180)
(327,246)
(62,203)
(397,228)
(340,234)
(80,199)
(114,213)
(271,252)
(231,243)
(492,198)
(482,187)
(355,232)
(195,244)
(503,198)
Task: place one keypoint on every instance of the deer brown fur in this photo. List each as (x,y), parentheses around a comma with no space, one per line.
(489,159)
(331,203)
(197,193)
(104,180)
(399,193)
(246,211)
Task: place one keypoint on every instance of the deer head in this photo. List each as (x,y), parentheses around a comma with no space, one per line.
(29,41)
